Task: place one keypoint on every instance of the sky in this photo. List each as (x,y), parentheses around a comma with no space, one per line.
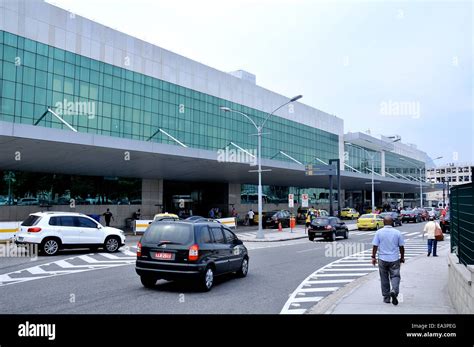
(391,67)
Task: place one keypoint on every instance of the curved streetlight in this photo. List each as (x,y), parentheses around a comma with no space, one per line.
(260,234)
(421,179)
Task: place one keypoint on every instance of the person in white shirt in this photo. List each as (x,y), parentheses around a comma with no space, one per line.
(430,231)
(250,214)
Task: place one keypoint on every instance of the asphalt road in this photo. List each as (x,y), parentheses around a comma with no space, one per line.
(276,269)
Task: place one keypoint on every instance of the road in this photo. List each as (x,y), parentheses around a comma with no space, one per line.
(284,277)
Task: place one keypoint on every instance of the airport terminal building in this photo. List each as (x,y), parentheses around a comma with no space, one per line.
(91,118)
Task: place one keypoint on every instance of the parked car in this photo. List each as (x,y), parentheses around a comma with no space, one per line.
(349,213)
(189,250)
(28,202)
(273,218)
(301,215)
(424,214)
(53,231)
(397,219)
(431,213)
(327,227)
(411,216)
(445,223)
(370,221)
(166,216)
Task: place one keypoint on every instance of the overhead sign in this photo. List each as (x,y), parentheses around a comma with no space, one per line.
(304,200)
(320,170)
(291,200)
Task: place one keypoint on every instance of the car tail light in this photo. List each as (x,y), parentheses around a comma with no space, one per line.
(34,230)
(139,249)
(328,227)
(193,253)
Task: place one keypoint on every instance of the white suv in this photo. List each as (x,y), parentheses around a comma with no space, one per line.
(53,231)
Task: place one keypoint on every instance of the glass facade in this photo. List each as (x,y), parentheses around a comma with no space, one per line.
(28,188)
(361,159)
(279,194)
(406,166)
(99,98)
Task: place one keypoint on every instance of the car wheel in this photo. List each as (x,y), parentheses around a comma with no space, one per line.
(112,244)
(50,246)
(148,281)
(244,268)
(346,234)
(333,236)
(311,238)
(377,227)
(207,279)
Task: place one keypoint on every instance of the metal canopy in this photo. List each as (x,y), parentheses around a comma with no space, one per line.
(61,151)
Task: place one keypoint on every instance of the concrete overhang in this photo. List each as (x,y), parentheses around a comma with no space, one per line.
(42,149)
(368,141)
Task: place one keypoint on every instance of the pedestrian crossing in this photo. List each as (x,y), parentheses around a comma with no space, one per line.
(71,265)
(340,273)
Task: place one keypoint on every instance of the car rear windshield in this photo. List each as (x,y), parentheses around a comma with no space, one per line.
(31,220)
(321,221)
(367,216)
(175,233)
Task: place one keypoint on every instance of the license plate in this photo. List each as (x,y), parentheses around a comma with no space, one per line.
(164,256)
(318,234)
(20,238)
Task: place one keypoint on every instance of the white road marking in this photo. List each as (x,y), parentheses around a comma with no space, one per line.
(324,289)
(68,268)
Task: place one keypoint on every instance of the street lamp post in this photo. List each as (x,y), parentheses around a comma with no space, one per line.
(260,234)
(421,179)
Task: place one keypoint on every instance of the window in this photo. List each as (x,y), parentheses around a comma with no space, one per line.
(66,221)
(204,235)
(229,236)
(85,222)
(217,234)
(30,221)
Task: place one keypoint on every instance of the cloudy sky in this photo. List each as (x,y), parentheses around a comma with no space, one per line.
(394,67)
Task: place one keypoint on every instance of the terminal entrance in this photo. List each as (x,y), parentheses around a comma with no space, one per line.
(195,198)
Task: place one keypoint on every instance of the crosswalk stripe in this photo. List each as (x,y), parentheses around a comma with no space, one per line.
(314,290)
(410,234)
(359,269)
(346,265)
(327,281)
(296,311)
(340,274)
(308,299)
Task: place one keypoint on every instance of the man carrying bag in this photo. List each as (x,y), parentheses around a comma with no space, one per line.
(433,235)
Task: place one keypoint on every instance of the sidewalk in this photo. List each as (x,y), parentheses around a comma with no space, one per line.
(273,235)
(423,290)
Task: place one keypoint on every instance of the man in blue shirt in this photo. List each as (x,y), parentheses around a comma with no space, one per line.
(389,242)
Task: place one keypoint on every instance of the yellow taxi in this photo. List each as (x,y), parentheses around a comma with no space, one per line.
(349,213)
(166,217)
(370,221)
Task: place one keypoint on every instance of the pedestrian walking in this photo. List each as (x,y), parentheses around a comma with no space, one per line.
(212,213)
(250,215)
(108,216)
(389,244)
(433,233)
